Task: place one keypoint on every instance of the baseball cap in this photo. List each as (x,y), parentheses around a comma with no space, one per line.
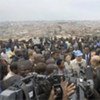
(78,53)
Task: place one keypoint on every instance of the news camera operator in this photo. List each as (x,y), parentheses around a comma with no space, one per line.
(67,89)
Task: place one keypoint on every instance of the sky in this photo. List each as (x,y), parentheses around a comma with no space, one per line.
(27,10)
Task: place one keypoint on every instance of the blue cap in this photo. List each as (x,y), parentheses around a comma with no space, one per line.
(78,53)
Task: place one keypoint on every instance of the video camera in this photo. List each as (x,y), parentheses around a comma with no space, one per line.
(82,80)
(84,84)
(33,87)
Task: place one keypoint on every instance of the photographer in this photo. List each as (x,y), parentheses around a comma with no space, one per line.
(67,89)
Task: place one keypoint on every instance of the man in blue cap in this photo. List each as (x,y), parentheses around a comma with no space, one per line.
(78,62)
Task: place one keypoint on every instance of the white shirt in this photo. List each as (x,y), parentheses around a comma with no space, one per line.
(10,74)
(4,56)
(67,66)
(75,65)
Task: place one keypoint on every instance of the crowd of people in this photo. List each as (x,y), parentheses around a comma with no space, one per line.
(46,55)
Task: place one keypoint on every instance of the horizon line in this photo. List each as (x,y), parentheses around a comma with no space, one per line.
(47,20)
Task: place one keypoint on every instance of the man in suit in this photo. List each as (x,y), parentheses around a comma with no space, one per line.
(87,54)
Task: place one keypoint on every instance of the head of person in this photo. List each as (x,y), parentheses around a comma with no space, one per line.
(86,49)
(10,40)
(40,68)
(39,58)
(14,68)
(51,68)
(18,53)
(78,55)
(55,54)
(95,61)
(98,51)
(50,61)
(93,53)
(68,57)
(25,67)
(60,64)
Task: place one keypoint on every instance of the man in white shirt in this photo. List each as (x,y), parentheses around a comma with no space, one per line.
(78,62)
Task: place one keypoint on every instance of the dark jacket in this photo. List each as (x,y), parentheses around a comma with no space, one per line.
(89,58)
(97,80)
